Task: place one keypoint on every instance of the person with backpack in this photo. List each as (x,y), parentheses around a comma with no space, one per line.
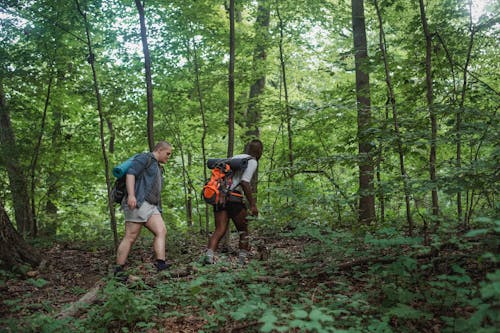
(141,205)
(236,209)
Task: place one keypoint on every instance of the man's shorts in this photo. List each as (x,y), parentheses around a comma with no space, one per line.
(232,208)
(141,214)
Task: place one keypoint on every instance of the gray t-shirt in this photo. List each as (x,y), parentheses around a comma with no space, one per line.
(244,175)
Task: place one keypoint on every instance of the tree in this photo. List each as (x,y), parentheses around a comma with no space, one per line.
(430,106)
(230,118)
(366,200)
(253,112)
(91,61)
(13,249)
(17,177)
(147,68)
(395,117)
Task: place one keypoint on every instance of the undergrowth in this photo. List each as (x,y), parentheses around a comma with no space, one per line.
(314,281)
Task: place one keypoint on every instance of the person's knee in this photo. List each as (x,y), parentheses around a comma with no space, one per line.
(131,237)
(161,232)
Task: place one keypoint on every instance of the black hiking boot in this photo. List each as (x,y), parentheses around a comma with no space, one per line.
(161,265)
(120,274)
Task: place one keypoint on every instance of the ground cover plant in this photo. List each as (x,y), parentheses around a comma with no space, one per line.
(300,279)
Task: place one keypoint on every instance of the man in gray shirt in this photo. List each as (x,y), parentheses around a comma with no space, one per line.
(141,206)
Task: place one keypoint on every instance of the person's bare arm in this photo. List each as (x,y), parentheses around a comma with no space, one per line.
(247,189)
(131,200)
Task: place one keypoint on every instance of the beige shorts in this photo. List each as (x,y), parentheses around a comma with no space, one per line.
(141,214)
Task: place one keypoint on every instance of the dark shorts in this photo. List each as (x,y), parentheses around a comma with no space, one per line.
(232,208)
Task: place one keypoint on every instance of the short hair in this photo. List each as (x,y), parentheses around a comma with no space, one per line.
(254,146)
(162,145)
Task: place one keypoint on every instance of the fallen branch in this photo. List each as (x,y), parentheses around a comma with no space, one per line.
(87,299)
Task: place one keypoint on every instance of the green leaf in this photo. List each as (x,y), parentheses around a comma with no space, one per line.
(317,315)
(268,319)
(477,232)
(301,314)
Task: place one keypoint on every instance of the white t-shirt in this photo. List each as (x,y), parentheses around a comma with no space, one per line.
(245,175)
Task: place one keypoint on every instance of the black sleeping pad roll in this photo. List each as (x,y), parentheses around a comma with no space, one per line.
(234,163)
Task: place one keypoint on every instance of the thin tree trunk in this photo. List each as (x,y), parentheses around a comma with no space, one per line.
(366,195)
(36,153)
(50,224)
(17,178)
(147,68)
(288,115)
(430,105)
(392,98)
(461,220)
(230,144)
(201,104)
(91,60)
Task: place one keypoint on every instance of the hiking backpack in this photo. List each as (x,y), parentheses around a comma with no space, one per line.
(216,190)
(119,190)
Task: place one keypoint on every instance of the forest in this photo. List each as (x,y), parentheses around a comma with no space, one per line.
(377,187)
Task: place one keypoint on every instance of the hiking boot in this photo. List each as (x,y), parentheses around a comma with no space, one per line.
(209,258)
(120,275)
(161,265)
(242,257)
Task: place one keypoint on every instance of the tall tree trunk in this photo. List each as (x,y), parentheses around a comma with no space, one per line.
(13,249)
(430,105)
(201,104)
(253,112)
(230,143)
(366,199)
(147,67)
(392,98)
(36,153)
(458,120)
(17,177)
(91,60)
(288,114)
(50,224)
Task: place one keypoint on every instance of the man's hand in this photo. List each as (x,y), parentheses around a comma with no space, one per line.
(254,211)
(132,201)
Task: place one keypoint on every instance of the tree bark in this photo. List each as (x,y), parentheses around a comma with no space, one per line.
(13,249)
(366,190)
(147,68)
(230,143)
(430,106)
(253,112)
(288,115)
(17,177)
(36,153)
(230,120)
(458,124)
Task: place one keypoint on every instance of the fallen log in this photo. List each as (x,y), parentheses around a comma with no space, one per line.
(89,298)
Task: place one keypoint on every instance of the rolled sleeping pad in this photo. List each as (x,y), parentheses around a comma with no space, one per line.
(121,169)
(234,163)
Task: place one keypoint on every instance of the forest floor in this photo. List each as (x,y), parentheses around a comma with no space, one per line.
(302,262)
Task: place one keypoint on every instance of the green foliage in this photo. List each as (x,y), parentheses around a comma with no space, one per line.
(39,283)
(123,308)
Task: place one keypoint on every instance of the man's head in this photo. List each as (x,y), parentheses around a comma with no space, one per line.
(254,148)
(162,151)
